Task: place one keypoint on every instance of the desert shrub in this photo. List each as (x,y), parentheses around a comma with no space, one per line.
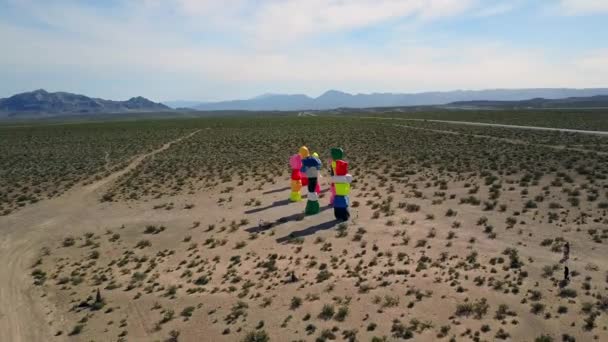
(544,338)
(68,241)
(478,309)
(537,308)
(327,312)
(515,262)
(503,311)
(296,302)
(143,244)
(39,277)
(341,314)
(239,309)
(567,293)
(502,335)
(400,330)
(256,336)
(187,311)
(326,334)
(323,275)
(76,330)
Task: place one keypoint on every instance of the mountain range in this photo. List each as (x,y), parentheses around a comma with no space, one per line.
(597,101)
(336,99)
(42,103)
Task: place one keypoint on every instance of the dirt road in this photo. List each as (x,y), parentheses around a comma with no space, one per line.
(25,314)
(470,123)
(507,140)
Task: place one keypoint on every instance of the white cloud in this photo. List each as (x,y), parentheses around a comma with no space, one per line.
(595,62)
(473,66)
(581,7)
(286,21)
(254,22)
(498,8)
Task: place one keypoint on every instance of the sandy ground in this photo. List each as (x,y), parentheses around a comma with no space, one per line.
(376,275)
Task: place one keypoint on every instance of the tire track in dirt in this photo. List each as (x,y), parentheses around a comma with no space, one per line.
(23,314)
(141,331)
(106,160)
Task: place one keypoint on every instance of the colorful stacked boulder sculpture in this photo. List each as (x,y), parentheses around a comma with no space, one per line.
(295,162)
(318,187)
(304,153)
(311,166)
(336,154)
(341,183)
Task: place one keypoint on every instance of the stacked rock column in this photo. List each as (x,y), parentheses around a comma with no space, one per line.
(336,154)
(311,166)
(342,180)
(332,186)
(295,162)
(318,186)
(304,153)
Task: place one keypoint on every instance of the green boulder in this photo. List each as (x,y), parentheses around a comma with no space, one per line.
(337,153)
(312,208)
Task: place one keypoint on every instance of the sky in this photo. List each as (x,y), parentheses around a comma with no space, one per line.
(213,50)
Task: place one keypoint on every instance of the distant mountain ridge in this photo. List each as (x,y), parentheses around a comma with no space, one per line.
(337,99)
(597,101)
(40,102)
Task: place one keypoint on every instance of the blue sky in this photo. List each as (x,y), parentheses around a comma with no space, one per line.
(215,50)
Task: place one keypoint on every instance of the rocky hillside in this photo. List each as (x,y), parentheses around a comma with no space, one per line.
(41,103)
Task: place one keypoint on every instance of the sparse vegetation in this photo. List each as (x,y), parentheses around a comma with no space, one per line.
(459,215)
